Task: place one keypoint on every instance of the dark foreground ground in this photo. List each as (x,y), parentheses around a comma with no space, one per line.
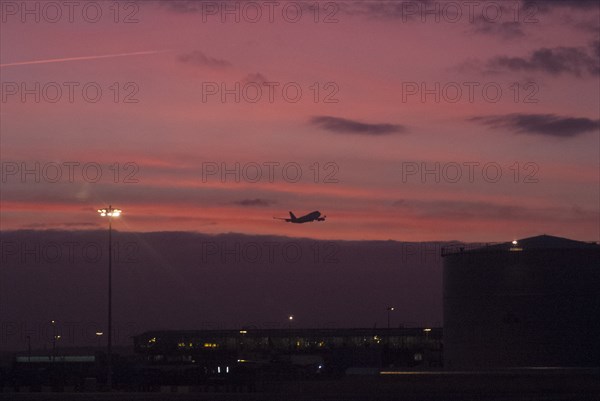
(409,386)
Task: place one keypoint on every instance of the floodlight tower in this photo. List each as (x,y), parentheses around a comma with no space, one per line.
(109,212)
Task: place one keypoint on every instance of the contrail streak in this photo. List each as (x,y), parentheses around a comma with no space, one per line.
(64,60)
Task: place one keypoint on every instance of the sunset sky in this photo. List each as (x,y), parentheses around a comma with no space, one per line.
(361,140)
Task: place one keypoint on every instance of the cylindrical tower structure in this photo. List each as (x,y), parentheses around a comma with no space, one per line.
(530,303)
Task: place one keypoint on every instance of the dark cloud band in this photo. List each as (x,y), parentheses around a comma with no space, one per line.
(198,58)
(345,126)
(561,60)
(541,124)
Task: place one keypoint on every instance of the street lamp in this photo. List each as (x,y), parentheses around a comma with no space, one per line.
(389,310)
(53,322)
(109,212)
(99,335)
(290,320)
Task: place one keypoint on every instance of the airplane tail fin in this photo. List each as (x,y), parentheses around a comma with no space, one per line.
(292,216)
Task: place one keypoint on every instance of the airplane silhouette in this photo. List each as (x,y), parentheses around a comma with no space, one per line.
(314,216)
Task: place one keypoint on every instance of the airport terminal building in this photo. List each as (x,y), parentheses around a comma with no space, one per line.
(316,349)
